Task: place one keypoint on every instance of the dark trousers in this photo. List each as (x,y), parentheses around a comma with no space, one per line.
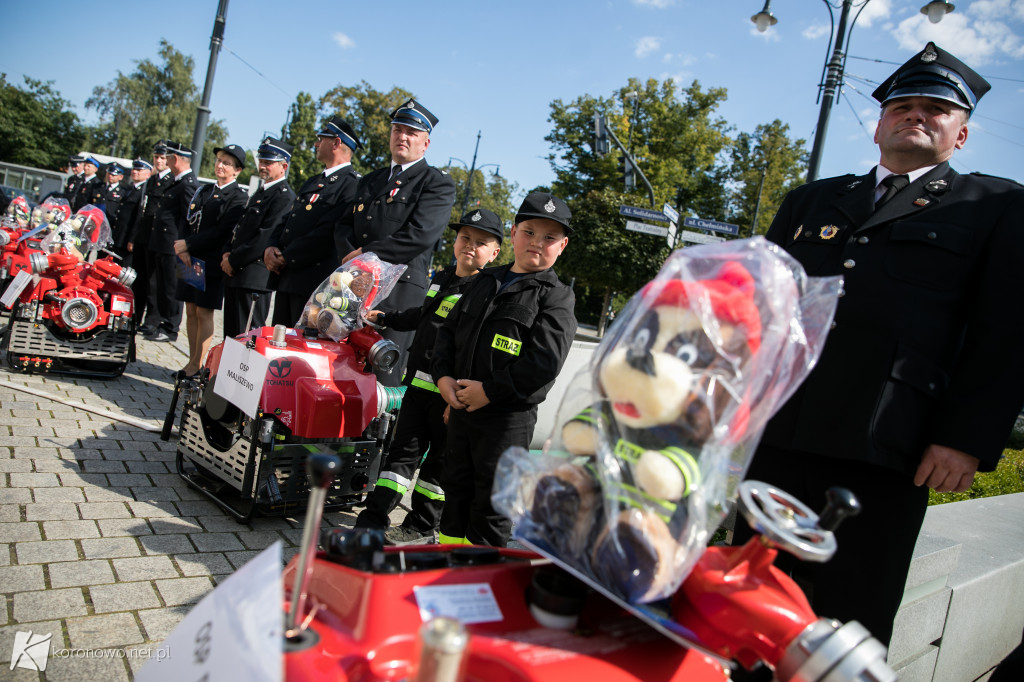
(140,287)
(865,579)
(288,307)
(237,301)
(475,442)
(420,436)
(164,283)
(404,296)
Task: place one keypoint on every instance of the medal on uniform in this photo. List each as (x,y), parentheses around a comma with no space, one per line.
(359,208)
(828,231)
(921,202)
(797,233)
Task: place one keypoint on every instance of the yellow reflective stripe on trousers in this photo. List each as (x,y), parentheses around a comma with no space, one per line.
(430,491)
(443,539)
(503,343)
(424,381)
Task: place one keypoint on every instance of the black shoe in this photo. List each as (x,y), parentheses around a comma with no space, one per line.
(145,330)
(401,535)
(161,336)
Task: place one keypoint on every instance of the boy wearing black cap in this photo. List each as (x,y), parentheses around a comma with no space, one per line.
(421,430)
(904,397)
(495,359)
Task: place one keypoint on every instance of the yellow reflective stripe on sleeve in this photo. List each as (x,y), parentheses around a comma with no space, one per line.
(432,291)
(503,343)
(425,385)
(446,305)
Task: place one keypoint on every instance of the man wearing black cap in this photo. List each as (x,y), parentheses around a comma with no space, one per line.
(169,225)
(399,214)
(89,184)
(131,207)
(922,374)
(74,181)
(242,259)
(421,432)
(495,359)
(301,253)
(110,196)
(144,287)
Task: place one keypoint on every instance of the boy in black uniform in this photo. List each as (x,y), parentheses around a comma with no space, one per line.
(495,359)
(421,429)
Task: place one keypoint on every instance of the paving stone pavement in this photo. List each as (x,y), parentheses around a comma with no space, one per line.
(102,545)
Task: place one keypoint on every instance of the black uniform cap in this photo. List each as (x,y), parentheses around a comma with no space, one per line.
(273,149)
(339,127)
(160,147)
(115,169)
(414,115)
(545,205)
(178,149)
(76,159)
(934,73)
(482,219)
(234,151)
(141,164)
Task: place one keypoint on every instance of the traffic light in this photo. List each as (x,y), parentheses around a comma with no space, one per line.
(626,170)
(600,141)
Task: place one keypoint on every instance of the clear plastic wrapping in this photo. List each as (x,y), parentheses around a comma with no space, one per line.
(52,212)
(17,214)
(652,438)
(340,303)
(87,230)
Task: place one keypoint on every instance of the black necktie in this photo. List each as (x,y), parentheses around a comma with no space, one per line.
(892,184)
(395,172)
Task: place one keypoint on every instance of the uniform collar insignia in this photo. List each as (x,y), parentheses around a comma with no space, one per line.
(853,184)
(937,185)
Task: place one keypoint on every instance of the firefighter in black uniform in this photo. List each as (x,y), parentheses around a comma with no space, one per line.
(495,359)
(110,197)
(922,374)
(169,225)
(301,252)
(242,260)
(131,208)
(74,181)
(89,185)
(421,430)
(138,242)
(399,213)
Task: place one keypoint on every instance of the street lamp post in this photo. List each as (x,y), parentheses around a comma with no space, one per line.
(203,110)
(471,168)
(935,10)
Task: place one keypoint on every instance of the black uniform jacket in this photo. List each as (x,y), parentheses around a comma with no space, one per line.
(71,187)
(110,198)
(400,221)
(443,293)
(515,341)
(266,211)
(152,194)
(128,214)
(928,346)
(169,220)
(213,213)
(306,238)
(86,193)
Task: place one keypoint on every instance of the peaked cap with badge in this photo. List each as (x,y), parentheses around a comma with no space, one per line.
(545,205)
(234,151)
(273,149)
(339,127)
(414,115)
(924,348)
(482,219)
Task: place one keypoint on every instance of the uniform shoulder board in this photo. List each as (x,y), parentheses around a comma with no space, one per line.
(996,177)
(284,188)
(443,172)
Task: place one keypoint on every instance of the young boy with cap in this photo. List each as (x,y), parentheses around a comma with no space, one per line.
(495,359)
(421,430)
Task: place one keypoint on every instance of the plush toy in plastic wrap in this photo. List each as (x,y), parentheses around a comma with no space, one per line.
(17,214)
(52,212)
(340,302)
(654,435)
(88,230)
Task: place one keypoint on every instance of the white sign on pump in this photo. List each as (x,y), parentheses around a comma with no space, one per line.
(240,376)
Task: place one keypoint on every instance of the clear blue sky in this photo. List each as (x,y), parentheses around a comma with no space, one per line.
(496,66)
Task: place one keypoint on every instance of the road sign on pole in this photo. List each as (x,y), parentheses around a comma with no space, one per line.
(642,213)
(670,213)
(698,238)
(713,225)
(634,226)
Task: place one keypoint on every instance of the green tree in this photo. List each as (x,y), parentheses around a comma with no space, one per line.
(493,192)
(680,145)
(37,126)
(154,102)
(768,153)
(367,110)
(300,131)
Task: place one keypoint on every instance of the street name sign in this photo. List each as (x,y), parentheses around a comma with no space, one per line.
(642,213)
(670,213)
(698,238)
(634,226)
(713,225)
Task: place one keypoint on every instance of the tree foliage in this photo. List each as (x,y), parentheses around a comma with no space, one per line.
(367,110)
(300,131)
(37,126)
(782,161)
(153,102)
(493,192)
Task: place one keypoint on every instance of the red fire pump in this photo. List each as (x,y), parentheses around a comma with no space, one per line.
(361,611)
(317,395)
(21,233)
(74,317)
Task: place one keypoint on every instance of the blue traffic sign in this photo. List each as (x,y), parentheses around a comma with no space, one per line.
(645,213)
(713,225)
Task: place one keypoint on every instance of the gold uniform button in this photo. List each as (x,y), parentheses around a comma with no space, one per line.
(862,240)
(832,326)
(849,264)
(842,292)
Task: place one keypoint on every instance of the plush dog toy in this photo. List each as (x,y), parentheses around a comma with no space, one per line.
(669,385)
(337,306)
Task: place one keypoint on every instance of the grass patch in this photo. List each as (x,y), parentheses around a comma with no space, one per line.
(1008,478)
